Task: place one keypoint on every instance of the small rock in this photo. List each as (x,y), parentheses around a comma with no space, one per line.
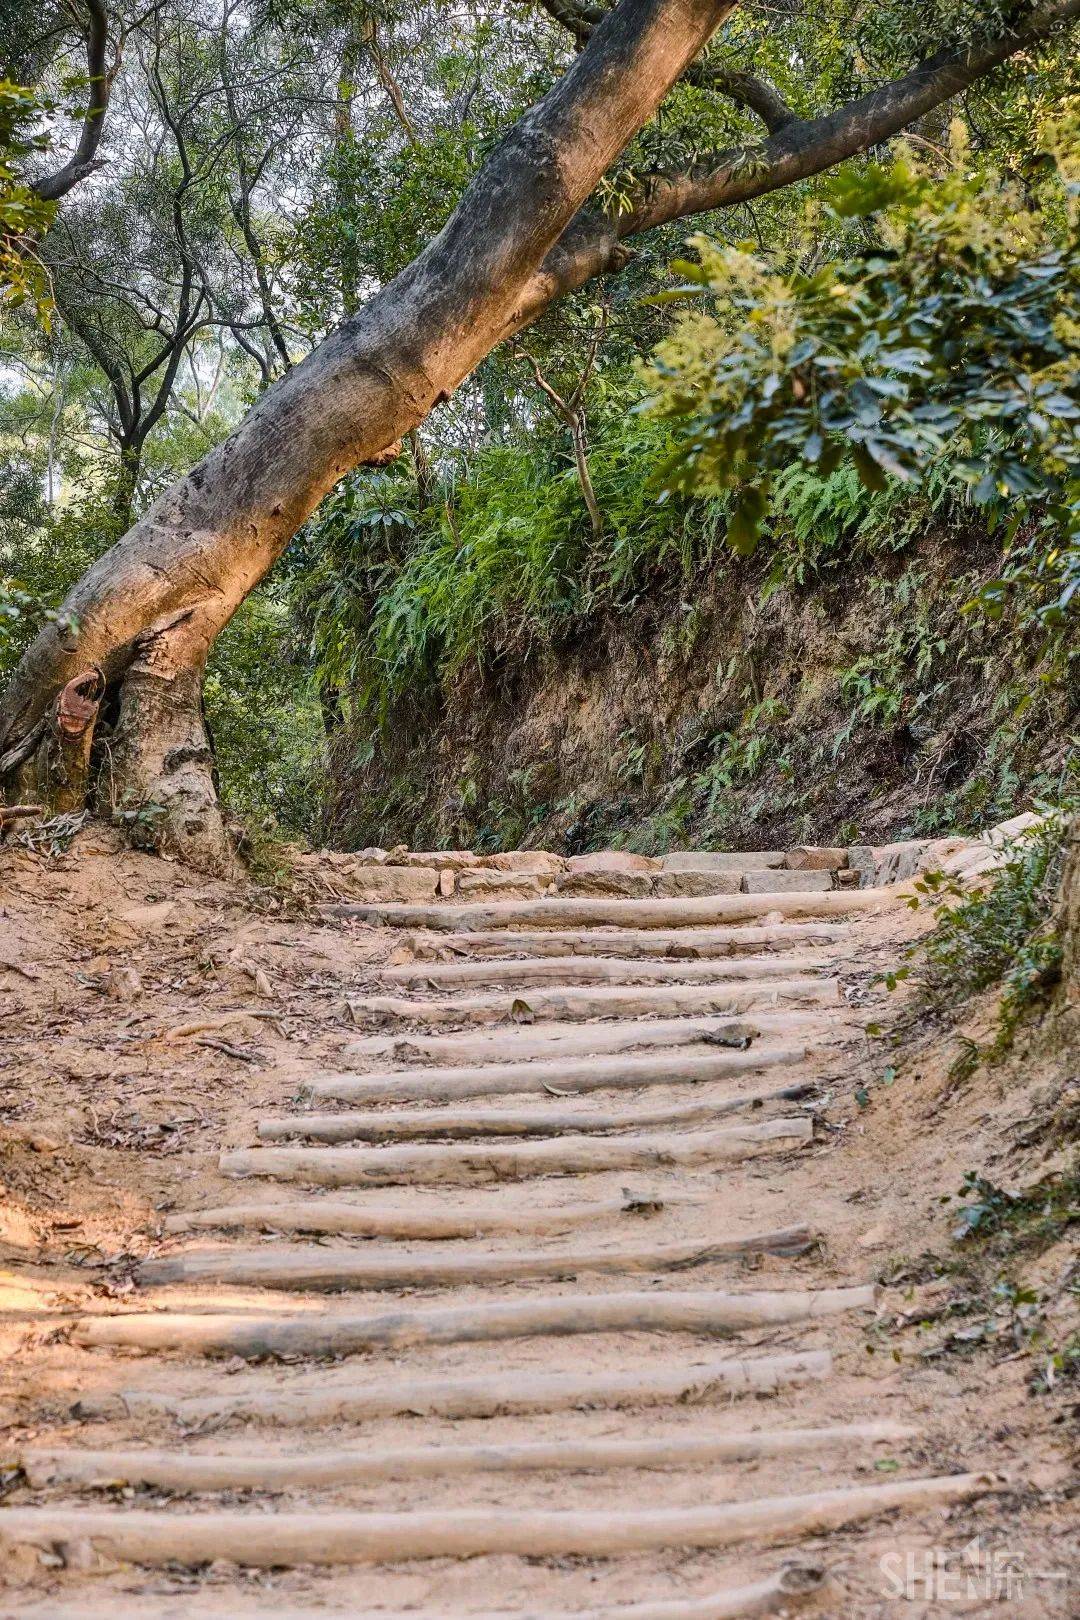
(1006,830)
(77,1555)
(223,1569)
(785,882)
(530,862)
(860,860)
(815,858)
(121,983)
(448,860)
(404,883)
(604,885)
(672,885)
(619,861)
(892,863)
(480,884)
(446,883)
(149,917)
(713,860)
(876,1237)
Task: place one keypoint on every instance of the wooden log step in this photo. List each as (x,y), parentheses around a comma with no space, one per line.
(705,912)
(467,1164)
(557,1077)
(286,1539)
(787,1592)
(175,1471)
(436,1221)
(315,1268)
(340,1334)
(523,1042)
(487,1395)
(600,970)
(446,1123)
(678,943)
(601,1001)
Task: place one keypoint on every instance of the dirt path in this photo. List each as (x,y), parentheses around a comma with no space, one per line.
(566,1284)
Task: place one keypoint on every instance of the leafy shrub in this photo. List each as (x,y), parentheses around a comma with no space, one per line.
(926,374)
(23,214)
(944,343)
(394,598)
(397,598)
(40,561)
(1005,935)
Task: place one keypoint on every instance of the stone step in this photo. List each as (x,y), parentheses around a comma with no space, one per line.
(426,1220)
(357,1398)
(599,1001)
(318,1268)
(555,912)
(787,1591)
(323,1332)
(601,970)
(289,1538)
(470,1164)
(44,1466)
(522,1043)
(562,1076)
(418,1124)
(710,860)
(682,944)
(785,882)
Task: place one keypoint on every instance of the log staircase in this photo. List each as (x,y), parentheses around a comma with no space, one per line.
(560,1147)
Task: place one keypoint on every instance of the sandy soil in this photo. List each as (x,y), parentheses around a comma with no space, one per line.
(149,1020)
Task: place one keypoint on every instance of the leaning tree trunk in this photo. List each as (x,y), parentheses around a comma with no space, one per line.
(141,621)
(146,613)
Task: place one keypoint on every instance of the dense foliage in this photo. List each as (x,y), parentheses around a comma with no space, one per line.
(1005,934)
(896,348)
(23,215)
(946,344)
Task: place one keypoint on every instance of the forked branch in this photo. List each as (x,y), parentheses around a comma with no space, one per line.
(744,89)
(84,160)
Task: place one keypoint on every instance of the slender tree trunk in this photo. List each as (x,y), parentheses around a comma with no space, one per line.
(1068,999)
(422,470)
(344,144)
(122,501)
(581,462)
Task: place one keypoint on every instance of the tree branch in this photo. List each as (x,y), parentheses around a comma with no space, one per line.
(571,412)
(83,160)
(579,20)
(370,36)
(592,244)
(806,147)
(745,89)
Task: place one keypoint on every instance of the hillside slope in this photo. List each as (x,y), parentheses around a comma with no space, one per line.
(829,690)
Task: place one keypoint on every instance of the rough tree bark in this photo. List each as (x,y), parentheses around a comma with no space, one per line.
(147,612)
